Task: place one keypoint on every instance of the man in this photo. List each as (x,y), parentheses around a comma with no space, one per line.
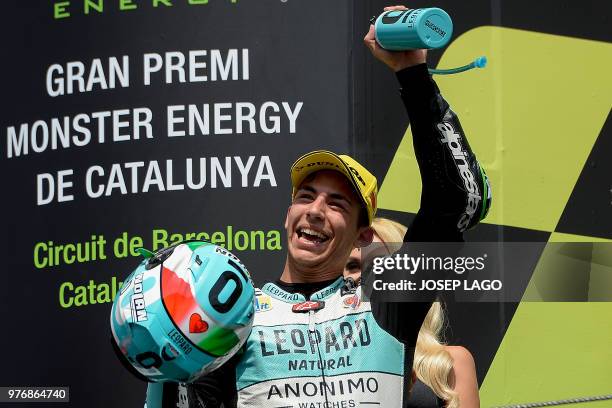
(312,344)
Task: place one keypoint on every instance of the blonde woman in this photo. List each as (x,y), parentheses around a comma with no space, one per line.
(446,375)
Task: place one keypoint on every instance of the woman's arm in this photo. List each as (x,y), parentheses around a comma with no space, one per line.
(463,377)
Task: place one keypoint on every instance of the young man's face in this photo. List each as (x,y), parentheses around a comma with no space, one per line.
(322,222)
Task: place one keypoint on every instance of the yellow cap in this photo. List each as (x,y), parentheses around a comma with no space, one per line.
(361,179)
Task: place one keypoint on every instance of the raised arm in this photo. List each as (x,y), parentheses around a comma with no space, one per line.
(455,194)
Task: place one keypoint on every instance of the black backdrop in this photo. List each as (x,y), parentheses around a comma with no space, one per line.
(308,52)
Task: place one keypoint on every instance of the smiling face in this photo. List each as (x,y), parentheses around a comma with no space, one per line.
(322,225)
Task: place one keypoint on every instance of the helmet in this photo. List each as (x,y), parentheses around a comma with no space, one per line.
(183,312)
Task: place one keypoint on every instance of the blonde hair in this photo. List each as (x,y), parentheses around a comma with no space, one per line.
(432,363)
(390,232)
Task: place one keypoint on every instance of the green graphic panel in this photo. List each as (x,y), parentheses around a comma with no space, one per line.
(561,237)
(580,270)
(532,117)
(553,351)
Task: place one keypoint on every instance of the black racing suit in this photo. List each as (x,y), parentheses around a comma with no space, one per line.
(455,196)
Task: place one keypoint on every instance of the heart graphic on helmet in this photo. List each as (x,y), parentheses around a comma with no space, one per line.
(196,324)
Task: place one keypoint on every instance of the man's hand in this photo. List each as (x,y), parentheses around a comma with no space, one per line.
(396,60)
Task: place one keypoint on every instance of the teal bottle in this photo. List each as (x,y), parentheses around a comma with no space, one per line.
(423,28)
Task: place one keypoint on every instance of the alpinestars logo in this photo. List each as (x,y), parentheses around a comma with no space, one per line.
(453,141)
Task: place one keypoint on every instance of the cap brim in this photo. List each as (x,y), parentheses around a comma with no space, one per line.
(323,160)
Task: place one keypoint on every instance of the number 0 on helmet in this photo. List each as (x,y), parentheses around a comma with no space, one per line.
(183,312)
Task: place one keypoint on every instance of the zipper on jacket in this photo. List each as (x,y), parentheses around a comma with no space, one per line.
(311,323)
(313,334)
